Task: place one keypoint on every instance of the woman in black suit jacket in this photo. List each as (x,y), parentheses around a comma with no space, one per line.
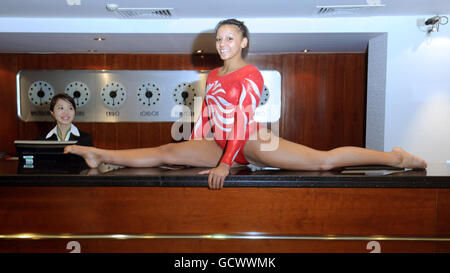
(62,109)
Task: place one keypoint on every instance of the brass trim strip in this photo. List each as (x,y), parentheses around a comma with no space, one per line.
(241,236)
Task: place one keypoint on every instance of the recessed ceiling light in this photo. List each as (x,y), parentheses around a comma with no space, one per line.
(199,51)
(306,50)
(99,39)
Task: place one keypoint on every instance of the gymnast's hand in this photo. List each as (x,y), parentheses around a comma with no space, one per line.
(217,176)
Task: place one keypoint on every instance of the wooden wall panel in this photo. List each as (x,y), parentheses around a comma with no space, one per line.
(323,96)
(61,61)
(151,134)
(355,78)
(162,62)
(290,93)
(128,135)
(8,118)
(324,99)
(334,103)
(105,135)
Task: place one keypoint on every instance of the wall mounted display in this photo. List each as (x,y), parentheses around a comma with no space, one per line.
(130,95)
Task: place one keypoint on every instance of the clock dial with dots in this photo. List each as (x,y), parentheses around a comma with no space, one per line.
(79,92)
(113,95)
(264,96)
(148,94)
(40,93)
(184,94)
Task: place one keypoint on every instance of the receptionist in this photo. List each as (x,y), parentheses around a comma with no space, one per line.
(62,109)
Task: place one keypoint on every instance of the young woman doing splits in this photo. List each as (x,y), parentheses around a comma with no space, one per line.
(232,94)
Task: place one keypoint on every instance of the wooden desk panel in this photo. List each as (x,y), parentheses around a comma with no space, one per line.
(272,211)
(309,211)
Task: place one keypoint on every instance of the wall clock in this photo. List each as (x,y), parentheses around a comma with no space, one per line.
(79,92)
(148,94)
(113,95)
(40,93)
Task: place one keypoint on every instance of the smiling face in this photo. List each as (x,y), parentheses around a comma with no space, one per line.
(229,42)
(63,112)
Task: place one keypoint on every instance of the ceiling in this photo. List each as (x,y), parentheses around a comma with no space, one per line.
(42,40)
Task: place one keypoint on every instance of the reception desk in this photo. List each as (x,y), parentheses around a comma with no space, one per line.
(165,210)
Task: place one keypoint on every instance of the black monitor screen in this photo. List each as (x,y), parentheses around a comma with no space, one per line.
(47,156)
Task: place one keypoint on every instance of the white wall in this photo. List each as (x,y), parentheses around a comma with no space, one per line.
(418,91)
(376,92)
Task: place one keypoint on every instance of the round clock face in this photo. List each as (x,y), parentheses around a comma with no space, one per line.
(184,94)
(40,93)
(148,94)
(113,95)
(264,96)
(79,92)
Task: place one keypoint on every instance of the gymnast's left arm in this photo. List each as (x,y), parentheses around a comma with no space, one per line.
(243,116)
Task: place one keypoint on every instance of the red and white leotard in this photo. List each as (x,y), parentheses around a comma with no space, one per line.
(228,109)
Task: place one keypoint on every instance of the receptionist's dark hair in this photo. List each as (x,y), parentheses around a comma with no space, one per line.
(62,96)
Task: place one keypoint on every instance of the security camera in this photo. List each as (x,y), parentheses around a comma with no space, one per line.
(433,20)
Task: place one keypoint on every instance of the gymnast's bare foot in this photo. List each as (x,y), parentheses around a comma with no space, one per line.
(408,160)
(89,154)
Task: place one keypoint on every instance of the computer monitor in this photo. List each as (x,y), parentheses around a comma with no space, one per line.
(38,156)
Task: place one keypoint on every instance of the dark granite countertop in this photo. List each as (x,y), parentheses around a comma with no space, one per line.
(435,176)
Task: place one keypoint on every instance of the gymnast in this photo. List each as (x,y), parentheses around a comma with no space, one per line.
(232,94)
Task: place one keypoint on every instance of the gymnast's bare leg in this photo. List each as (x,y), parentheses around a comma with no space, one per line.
(293,156)
(197,153)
